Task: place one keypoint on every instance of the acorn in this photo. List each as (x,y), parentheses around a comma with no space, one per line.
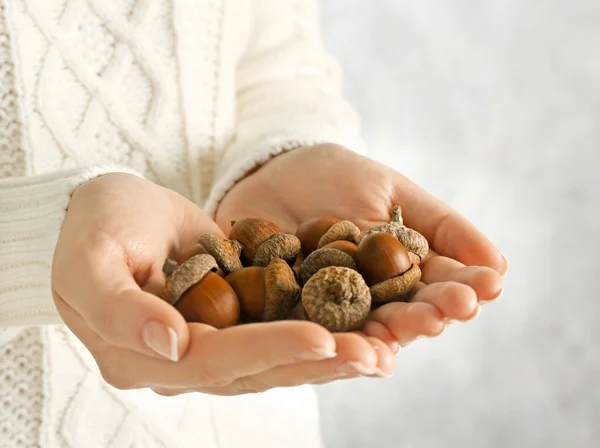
(226,252)
(266,294)
(316,233)
(322,258)
(199,294)
(343,245)
(336,298)
(262,242)
(386,266)
(411,239)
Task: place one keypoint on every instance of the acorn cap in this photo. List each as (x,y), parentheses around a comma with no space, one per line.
(226,252)
(282,291)
(341,230)
(412,240)
(337,298)
(279,245)
(323,258)
(251,233)
(396,288)
(187,275)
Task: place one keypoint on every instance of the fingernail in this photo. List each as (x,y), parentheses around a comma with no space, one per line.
(354,367)
(161,339)
(475,314)
(493,299)
(317,354)
(506,263)
(395,347)
(382,374)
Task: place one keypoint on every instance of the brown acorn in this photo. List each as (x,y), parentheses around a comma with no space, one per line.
(322,258)
(411,239)
(199,294)
(336,298)
(317,232)
(226,252)
(343,245)
(386,267)
(262,241)
(266,294)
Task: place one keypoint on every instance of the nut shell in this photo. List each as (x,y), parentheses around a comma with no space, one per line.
(187,275)
(337,298)
(282,291)
(226,252)
(380,257)
(345,246)
(279,245)
(396,289)
(312,230)
(249,286)
(323,258)
(211,301)
(251,233)
(412,240)
(342,230)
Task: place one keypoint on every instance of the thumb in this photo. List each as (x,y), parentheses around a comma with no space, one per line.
(102,290)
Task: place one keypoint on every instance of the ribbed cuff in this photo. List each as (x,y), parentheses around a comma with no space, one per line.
(32,210)
(245,157)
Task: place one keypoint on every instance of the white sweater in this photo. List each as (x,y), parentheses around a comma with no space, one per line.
(191,94)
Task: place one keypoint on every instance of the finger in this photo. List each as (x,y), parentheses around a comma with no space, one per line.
(101,288)
(486,282)
(449,233)
(385,360)
(454,300)
(408,321)
(216,358)
(376,330)
(356,356)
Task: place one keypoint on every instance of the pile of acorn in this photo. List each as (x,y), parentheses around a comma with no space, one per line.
(252,276)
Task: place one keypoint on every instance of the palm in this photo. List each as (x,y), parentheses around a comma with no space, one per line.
(330,180)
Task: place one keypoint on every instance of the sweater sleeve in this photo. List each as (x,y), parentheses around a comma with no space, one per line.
(289,94)
(32,210)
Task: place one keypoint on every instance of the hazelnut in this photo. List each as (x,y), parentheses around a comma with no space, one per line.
(266,294)
(322,258)
(262,241)
(337,298)
(411,239)
(199,294)
(343,245)
(318,232)
(380,257)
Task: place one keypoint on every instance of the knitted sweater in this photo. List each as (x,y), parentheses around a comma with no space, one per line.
(191,94)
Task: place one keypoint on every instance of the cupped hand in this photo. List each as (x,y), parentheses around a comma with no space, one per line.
(462,270)
(107,272)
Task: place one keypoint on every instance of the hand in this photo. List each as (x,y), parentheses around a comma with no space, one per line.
(106,271)
(462,270)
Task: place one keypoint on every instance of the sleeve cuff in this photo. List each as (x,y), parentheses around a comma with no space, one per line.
(32,210)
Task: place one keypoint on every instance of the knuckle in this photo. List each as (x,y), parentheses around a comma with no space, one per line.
(249,385)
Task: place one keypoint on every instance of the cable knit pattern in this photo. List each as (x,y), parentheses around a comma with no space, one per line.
(191,94)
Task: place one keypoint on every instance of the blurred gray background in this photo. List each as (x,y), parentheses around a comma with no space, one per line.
(493,106)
